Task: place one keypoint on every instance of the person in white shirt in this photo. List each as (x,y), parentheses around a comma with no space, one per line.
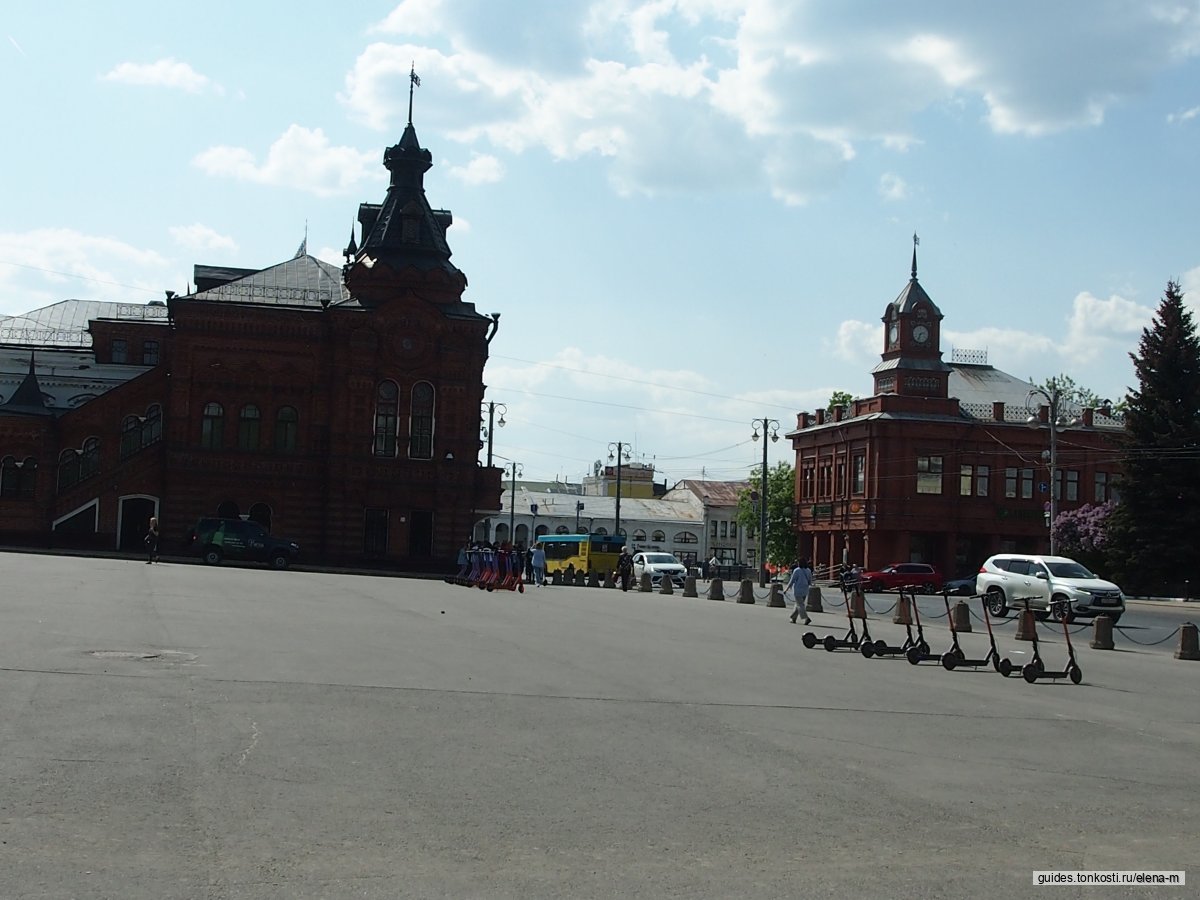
(799,583)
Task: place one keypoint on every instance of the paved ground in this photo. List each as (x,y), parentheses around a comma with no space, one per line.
(179,731)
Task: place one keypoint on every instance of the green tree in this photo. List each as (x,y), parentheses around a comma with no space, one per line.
(1070,391)
(1152,531)
(839,398)
(781,492)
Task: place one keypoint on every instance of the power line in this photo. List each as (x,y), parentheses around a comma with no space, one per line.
(132,287)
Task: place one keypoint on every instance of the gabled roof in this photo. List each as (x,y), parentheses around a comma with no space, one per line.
(304,281)
(65,324)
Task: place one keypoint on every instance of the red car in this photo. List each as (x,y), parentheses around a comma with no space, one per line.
(922,576)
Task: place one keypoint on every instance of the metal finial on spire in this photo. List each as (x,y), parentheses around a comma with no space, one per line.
(414,81)
(916,243)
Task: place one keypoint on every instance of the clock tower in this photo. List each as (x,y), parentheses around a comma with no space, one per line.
(911,362)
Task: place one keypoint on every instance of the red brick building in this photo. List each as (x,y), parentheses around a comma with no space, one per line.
(338,406)
(941,464)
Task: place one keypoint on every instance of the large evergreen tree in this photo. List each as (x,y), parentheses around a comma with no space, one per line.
(1152,532)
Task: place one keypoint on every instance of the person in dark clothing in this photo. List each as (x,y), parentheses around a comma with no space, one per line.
(152,541)
(625,568)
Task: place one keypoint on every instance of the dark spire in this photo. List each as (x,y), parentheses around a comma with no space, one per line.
(351,248)
(414,81)
(28,395)
(916,242)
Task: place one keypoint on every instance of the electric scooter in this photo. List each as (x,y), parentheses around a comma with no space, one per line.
(1036,669)
(920,652)
(882,648)
(955,656)
(852,640)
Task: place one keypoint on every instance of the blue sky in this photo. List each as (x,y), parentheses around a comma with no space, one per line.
(691,214)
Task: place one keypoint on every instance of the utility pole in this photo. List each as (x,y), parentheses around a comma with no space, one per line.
(771,427)
(621,451)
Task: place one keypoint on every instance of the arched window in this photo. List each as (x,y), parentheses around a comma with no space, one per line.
(68,469)
(658,537)
(152,426)
(287,423)
(420,422)
(248,421)
(386,410)
(601,530)
(686,537)
(639,534)
(229,509)
(541,530)
(212,427)
(562,529)
(89,460)
(501,532)
(131,436)
(261,513)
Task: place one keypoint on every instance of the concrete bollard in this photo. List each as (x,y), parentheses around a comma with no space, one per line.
(960,618)
(593,579)
(1189,647)
(556,577)
(646,585)
(689,586)
(666,585)
(903,614)
(812,603)
(1026,626)
(1102,638)
(858,604)
(776,599)
(746,594)
(716,589)
(610,580)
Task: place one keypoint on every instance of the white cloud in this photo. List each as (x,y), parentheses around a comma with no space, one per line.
(168,73)
(648,84)
(200,237)
(482,169)
(61,263)
(1186,116)
(857,341)
(892,187)
(301,159)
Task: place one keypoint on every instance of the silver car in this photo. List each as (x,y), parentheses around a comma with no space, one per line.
(1055,586)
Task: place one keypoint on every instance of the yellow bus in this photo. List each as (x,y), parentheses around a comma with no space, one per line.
(586,552)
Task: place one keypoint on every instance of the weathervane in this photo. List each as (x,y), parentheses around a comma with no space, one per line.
(916,243)
(414,81)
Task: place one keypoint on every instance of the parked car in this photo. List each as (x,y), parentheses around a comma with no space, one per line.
(1055,586)
(658,565)
(215,540)
(962,587)
(921,576)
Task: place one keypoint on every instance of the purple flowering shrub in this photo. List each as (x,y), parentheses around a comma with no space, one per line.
(1083,533)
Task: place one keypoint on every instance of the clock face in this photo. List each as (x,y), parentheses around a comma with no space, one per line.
(893,333)
(920,334)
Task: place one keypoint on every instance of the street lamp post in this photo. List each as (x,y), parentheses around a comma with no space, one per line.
(765,427)
(513,469)
(489,430)
(1055,420)
(578,510)
(621,451)
(533,529)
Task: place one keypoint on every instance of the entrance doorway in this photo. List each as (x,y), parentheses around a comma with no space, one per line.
(135,513)
(420,534)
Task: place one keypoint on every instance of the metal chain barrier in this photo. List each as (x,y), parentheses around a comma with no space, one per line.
(1054,627)
(1148,643)
(877,612)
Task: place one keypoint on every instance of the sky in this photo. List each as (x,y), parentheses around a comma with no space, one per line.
(691,214)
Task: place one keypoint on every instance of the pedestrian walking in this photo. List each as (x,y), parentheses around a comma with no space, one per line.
(712,567)
(625,568)
(538,558)
(799,583)
(152,541)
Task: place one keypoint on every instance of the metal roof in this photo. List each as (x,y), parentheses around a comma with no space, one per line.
(304,281)
(65,324)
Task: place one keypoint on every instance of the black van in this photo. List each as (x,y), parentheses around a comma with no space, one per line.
(237,539)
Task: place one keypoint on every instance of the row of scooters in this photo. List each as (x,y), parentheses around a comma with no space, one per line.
(917,651)
(491,570)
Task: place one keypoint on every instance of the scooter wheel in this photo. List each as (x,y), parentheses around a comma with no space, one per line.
(924,648)
(1005,667)
(1038,666)
(830,643)
(1030,672)
(809,640)
(867,649)
(949,660)
(1076,674)
(914,655)
(881,648)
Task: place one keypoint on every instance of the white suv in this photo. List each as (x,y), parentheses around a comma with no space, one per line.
(658,565)
(1054,585)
